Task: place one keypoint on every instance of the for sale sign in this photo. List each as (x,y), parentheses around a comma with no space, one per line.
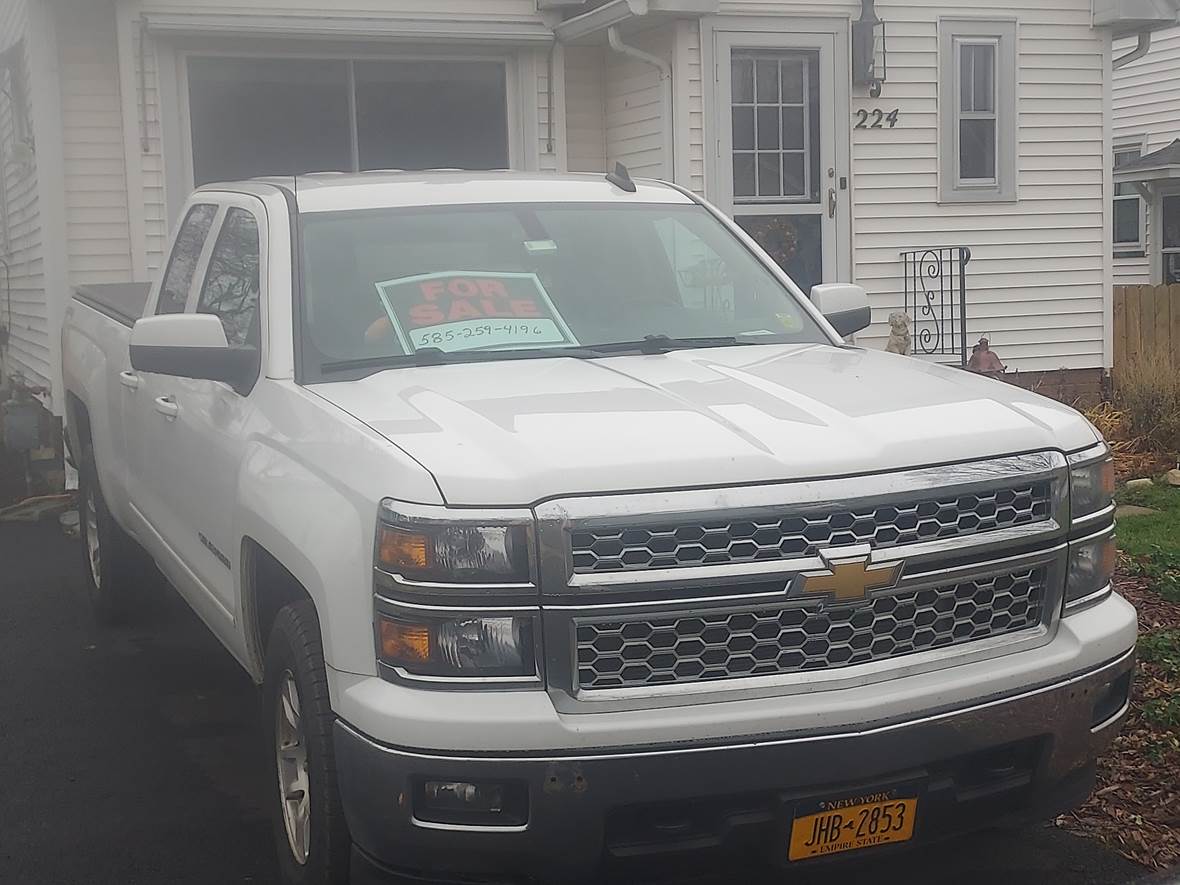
(458,311)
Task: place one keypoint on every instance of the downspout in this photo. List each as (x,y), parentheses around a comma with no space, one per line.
(1135,54)
(667,86)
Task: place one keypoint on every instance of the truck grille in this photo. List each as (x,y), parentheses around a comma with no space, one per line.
(728,644)
(793,535)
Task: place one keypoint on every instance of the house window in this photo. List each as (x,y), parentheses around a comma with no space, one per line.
(1170,217)
(283,116)
(775,127)
(1128,205)
(977,110)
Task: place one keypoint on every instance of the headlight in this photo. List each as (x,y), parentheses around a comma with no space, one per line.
(1091,568)
(1091,482)
(454,549)
(458,647)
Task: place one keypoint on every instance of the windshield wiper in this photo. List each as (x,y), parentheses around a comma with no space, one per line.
(657,344)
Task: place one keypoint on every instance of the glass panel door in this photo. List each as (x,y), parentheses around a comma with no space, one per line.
(778,161)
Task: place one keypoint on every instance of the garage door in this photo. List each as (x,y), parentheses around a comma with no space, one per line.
(282,116)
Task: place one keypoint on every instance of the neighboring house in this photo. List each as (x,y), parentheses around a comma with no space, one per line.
(1146,124)
(989,132)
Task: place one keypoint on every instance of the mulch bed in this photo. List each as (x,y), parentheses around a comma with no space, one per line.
(1136,807)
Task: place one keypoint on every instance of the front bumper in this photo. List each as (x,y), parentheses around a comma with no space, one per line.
(1026,754)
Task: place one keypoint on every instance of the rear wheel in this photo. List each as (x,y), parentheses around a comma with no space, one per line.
(115,564)
(310,833)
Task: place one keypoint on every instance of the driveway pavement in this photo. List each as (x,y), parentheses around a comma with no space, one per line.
(129,756)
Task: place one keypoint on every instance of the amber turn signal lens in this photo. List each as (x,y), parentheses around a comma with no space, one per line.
(404,643)
(403,551)
(1106,478)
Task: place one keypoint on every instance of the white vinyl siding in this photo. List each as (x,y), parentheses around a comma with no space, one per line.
(1037,282)
(23,305)
(1146,99)
(92,145)
(637,133)
(585,108)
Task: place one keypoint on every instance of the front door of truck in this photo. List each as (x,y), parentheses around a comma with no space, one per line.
(201,439)
(143,423)
(781,145)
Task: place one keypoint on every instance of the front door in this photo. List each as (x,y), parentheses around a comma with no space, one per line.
(782,148)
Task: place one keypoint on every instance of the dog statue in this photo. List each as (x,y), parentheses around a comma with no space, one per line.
(900,341)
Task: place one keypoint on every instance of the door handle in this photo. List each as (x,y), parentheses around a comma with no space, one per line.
(167,407)
(129,380)
(832,202)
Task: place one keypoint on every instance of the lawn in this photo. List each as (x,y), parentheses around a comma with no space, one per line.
(1136,808)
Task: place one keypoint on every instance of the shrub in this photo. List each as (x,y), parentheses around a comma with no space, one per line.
(1148,394)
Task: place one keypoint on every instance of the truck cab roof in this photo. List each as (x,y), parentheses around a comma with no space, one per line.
(341,191)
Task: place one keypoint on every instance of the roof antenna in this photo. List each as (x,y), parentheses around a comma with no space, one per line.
(621,179)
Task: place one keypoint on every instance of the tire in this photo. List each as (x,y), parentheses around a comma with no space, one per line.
(114,565)
(310,833)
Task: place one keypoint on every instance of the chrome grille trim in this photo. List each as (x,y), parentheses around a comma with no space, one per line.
(742,642)
(787,535)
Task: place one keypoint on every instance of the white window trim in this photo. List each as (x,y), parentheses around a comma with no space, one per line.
(1137,248)
(521,75)
(953,34)
(1164,250)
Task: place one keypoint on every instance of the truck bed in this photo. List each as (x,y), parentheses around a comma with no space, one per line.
(122,302)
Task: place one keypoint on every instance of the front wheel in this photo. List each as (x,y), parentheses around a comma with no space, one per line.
(310,833)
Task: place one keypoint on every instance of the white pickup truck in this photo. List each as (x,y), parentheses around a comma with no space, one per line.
(565,534)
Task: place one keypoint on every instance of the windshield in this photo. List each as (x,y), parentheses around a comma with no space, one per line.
(487,282)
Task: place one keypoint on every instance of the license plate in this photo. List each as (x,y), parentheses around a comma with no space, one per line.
(833,826)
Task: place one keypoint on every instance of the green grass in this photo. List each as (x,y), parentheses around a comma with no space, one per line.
(1162,649)
(1158,535)
(1164,712)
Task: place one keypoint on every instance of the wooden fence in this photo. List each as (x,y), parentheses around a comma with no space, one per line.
(1146,320)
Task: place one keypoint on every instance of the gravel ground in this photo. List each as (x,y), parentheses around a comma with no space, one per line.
(130,756)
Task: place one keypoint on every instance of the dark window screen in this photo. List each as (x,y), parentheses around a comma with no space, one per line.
(277,116)
(431,115)
(253,117)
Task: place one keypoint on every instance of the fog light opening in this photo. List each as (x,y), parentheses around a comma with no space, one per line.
(471,803)
(1111,699)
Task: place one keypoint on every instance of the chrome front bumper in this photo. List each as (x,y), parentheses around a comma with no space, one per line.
(1025,754)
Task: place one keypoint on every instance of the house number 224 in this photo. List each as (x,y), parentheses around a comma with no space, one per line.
(878,119)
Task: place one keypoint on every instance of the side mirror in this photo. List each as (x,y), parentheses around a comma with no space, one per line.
(190,345)
(843,305)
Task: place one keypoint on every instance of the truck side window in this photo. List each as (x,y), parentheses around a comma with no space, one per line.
(231,283)
(178,279)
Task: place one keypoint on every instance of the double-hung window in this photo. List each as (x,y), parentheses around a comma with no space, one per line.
(977,106)
(1128,205)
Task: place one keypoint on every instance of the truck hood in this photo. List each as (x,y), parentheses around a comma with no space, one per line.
(518,432)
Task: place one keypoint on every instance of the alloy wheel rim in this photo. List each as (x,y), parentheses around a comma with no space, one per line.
(291,754)
(93,550)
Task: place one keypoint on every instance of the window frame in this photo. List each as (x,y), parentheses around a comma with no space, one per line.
(954,34)
(1165,250)
(1136,248)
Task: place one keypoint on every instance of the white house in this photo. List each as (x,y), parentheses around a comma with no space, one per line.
(1146,125)
(979,125)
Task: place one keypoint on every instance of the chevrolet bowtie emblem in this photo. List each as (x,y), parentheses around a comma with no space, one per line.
(849,577)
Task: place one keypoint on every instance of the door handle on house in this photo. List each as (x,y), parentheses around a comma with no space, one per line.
(832,202)
(167,407)
(129,380)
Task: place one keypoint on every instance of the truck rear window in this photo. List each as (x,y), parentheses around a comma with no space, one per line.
(488,281)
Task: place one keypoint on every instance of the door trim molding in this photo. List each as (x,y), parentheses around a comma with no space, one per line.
(793,27)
